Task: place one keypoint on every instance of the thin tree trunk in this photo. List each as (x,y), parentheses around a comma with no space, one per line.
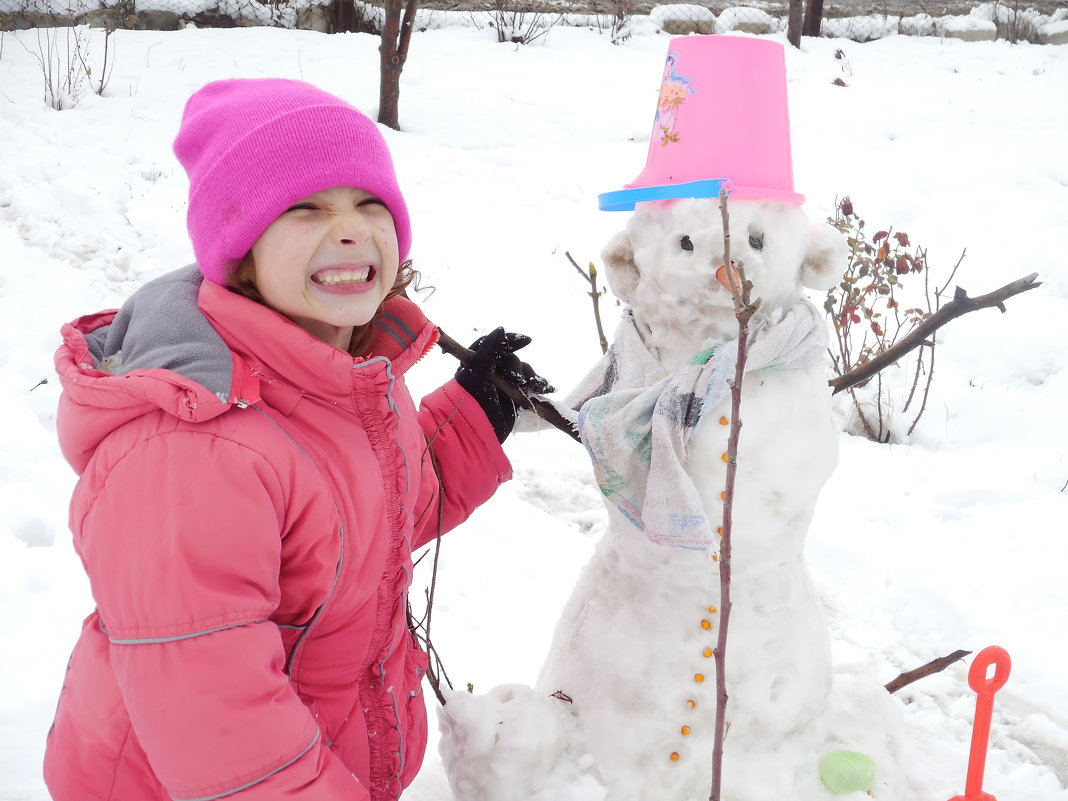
(813,18)
(393,52)
(344,16)
(793,26)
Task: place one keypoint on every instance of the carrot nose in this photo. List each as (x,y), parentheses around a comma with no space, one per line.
(721,276)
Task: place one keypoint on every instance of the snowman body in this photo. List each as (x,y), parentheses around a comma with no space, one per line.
(627,692)
(634,647)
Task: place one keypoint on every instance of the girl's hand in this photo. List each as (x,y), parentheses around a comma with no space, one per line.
(495,353)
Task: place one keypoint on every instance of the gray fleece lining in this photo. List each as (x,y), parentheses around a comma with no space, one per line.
(161,327)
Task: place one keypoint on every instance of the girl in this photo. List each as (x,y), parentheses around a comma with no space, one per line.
(254,476)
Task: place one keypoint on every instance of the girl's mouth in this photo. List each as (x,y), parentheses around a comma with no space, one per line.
(344,275)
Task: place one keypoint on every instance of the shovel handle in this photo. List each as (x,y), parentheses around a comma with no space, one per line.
(985,687)
(978,677)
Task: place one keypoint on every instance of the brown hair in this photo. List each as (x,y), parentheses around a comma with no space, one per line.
(243,281)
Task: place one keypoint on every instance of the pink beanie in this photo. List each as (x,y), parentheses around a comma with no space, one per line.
(254,147)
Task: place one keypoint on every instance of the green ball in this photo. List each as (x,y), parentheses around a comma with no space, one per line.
(846,772)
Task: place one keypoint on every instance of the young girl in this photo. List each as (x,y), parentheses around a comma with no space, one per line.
(254,476)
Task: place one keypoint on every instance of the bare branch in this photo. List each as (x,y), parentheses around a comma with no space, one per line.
(743,310)
(952,273)
(934,666)
(595,295)
(959,306)
(577,268)
(420,628)
(541,407)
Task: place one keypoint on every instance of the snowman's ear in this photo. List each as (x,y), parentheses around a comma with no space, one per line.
(622,272)
(825,259)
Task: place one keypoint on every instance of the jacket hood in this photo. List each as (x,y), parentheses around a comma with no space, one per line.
(192,349)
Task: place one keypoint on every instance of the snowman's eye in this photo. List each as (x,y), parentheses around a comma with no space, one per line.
(686,244)
(756,242)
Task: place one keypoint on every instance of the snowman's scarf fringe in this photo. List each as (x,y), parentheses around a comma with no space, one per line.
(636,421)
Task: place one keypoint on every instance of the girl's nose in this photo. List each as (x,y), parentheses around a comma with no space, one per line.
(351,229)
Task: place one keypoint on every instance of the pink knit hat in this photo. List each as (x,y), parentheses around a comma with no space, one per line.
(254,147)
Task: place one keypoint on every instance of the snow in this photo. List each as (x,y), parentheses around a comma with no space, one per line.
(872,26)
(736,16)
(916,25)
(954,539)
(663,14)
(970,23)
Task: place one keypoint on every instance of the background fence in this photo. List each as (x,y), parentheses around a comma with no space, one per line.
(1039,21)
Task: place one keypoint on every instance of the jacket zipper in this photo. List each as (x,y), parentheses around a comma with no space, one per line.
(291,660)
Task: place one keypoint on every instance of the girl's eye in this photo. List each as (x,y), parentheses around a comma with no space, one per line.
(302,207)
(686,244)
(756,242)
(372,201)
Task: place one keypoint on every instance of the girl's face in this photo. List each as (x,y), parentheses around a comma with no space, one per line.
(328,262)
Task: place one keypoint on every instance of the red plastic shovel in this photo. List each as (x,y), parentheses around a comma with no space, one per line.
(985,687)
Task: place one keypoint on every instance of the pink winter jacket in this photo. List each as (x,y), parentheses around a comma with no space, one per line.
(248,503)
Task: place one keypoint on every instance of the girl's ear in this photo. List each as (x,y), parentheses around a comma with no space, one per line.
(825,260)
(622,272)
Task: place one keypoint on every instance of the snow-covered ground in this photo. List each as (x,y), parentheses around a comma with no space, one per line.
(956,539)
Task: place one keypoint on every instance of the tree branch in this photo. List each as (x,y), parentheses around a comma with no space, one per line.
(959,306)
(595,295)
(407,26)
(744,308)
(934,666)
(541,407)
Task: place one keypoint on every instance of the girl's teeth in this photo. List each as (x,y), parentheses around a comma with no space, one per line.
(346,277)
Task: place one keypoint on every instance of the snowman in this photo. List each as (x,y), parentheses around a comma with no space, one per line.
(626,697)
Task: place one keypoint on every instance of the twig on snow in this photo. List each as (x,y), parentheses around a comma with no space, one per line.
(934,666)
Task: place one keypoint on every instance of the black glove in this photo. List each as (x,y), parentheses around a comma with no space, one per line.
(495,353)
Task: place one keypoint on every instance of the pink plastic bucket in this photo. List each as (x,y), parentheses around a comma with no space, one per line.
(721,117)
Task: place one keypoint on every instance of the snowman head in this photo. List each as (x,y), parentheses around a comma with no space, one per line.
(664,263)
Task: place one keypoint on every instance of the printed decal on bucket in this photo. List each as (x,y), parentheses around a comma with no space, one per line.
(674,90)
